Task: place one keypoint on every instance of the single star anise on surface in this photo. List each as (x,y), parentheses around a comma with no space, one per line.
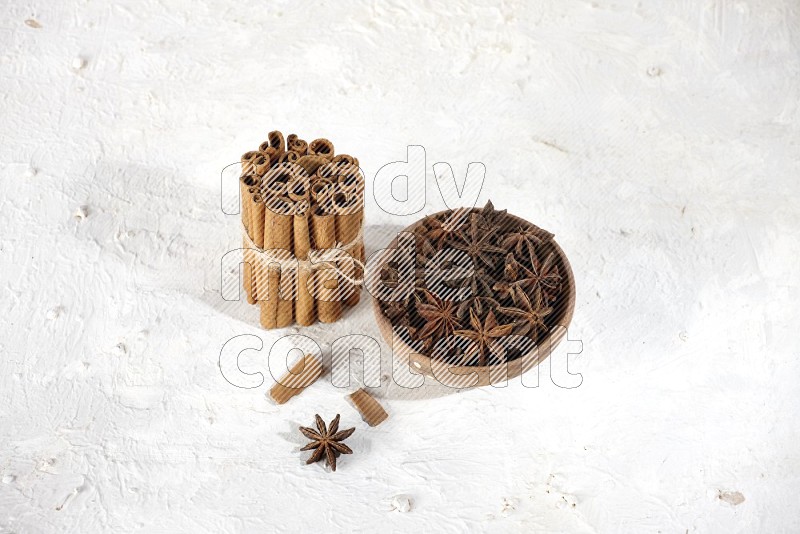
(477,242)
(528,318)
(326,441)
(440,316)
(526,238)
(485,338)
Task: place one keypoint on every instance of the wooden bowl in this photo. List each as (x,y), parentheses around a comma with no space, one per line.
(462,376)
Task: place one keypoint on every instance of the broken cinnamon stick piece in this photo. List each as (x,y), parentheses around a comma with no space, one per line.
(302,374)
(370,409)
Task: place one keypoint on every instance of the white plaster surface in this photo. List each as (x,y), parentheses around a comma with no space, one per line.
(659,141)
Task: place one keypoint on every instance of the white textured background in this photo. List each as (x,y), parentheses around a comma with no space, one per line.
(658,140)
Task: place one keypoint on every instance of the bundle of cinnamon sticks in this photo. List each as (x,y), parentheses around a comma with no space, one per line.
(299,199)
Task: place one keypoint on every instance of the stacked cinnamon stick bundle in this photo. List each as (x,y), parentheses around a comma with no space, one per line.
(300,201)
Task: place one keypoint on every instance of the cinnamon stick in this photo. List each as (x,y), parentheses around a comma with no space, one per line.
(247,272)
(348,225)
(271,154)
(274,228)
(299,188)
(345,159)
(321,192)
(269,302)
(257,211)
(277,179)
(305,314)
(321,147)
(281,238)
(311,163)
(257,237)
(288,157)
(246,183)
(276,141)
(370,409)
(261,164)
(327,171)
(247,158)
(325,280)
(298,145)
(302,374)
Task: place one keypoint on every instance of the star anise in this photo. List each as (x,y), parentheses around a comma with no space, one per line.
(528,318)
(326,441)
(439,315)
(477,242)
(491,218)
(485,338)
(424,249)
(390,275)
(542,279)
(480,286)
(477,304)
(509,287)
(440,229)
(526,238)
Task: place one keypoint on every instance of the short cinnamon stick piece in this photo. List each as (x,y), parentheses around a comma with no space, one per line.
(370,409)
(302,374)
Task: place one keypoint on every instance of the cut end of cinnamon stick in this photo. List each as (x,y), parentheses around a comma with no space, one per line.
(370,409)
(302,374)
(276,140)
(322,147)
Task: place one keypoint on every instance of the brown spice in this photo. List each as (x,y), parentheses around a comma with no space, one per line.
(326,441)
(370,409)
